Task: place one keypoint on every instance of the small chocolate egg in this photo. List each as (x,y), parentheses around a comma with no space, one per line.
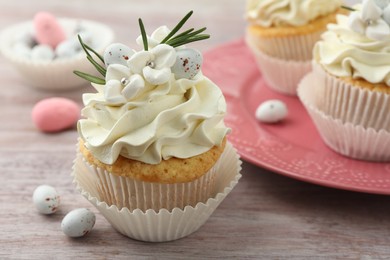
(55,114)
(66,49)
(271,111)
(42,52)
(78,222)
(188,63)
(117,53)
(382,3)
(386,14)
(46,199)
(48,30)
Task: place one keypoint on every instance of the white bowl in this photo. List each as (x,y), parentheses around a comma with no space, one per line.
(58,73)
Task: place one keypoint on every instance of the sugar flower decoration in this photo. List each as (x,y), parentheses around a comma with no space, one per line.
(126,72)
(121,84)
(155,64)
(369,20)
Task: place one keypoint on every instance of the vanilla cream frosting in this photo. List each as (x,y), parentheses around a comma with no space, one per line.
(180,118)
(343,52)
(268,13)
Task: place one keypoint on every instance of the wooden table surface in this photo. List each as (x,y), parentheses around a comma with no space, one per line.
(267,216)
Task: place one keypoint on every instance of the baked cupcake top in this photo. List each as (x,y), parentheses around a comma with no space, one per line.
(275,13)
(358,45)
(152,104)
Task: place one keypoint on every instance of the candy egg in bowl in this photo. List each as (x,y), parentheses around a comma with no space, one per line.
(45,51)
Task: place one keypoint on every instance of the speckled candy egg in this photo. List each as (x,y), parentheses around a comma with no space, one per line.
(78,222)
(271,111)
(188,63)
(117,53)
(46,199)
(42,53)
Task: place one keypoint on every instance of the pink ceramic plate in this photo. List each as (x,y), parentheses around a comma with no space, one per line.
(293,147)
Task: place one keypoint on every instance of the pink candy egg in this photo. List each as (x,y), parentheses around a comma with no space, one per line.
(47,30)
(55,114)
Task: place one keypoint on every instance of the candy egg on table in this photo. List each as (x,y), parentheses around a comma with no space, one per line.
(46,199)
(271,111)
(54,74)
(55,114)
(78,222)
(188,63)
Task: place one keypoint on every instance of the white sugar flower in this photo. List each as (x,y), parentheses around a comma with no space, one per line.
(157,36)
(368,21)
(155,64)
(121,84)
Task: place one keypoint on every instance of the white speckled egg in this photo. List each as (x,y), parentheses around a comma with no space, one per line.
(42,53)
(68,48)
(46,199)
(271,111)
(117,53)
(386,14)
(188,63)
(78,222)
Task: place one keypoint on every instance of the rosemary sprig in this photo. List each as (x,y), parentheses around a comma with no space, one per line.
(182,38)
(348,8)
(102,70)
(143,33)
(177,27)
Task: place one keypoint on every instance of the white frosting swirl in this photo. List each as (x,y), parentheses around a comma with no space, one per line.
(346,53)
(268,13)
(180,118)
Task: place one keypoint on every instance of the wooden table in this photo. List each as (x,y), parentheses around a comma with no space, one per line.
(267,216)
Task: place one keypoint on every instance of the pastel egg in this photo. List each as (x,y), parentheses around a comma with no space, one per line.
(117,53)
(46,199)
(271,111)
(386,14)
(382,3)
(66,49)
(55,114)
(78,222)
(188,63)
(42,53)
(48,30)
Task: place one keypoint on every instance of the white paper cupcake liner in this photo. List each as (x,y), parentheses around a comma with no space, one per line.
(351,140)
(297,47)
(280,75)
(159,225)
(354,105)
(57,74)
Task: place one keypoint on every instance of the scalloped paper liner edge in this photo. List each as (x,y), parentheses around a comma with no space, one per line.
(165,225)
(348,139)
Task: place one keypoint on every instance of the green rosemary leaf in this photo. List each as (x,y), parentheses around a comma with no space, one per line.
(143,33)
(183,33)
(192,39)
(183,38)
(90,78)
(348,8)
(97,66)
(177,27)
(95,52)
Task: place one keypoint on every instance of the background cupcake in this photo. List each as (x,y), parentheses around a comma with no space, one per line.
(351,73)
(282,34)
(153,152)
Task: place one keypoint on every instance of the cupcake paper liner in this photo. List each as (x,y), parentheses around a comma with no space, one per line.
(350,104)
(298,47)
(162,224)
(280,75)
(56,74)
(352,140)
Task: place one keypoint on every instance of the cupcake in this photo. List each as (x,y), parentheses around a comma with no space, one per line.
(152,154)
(281,35)
(348,92)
